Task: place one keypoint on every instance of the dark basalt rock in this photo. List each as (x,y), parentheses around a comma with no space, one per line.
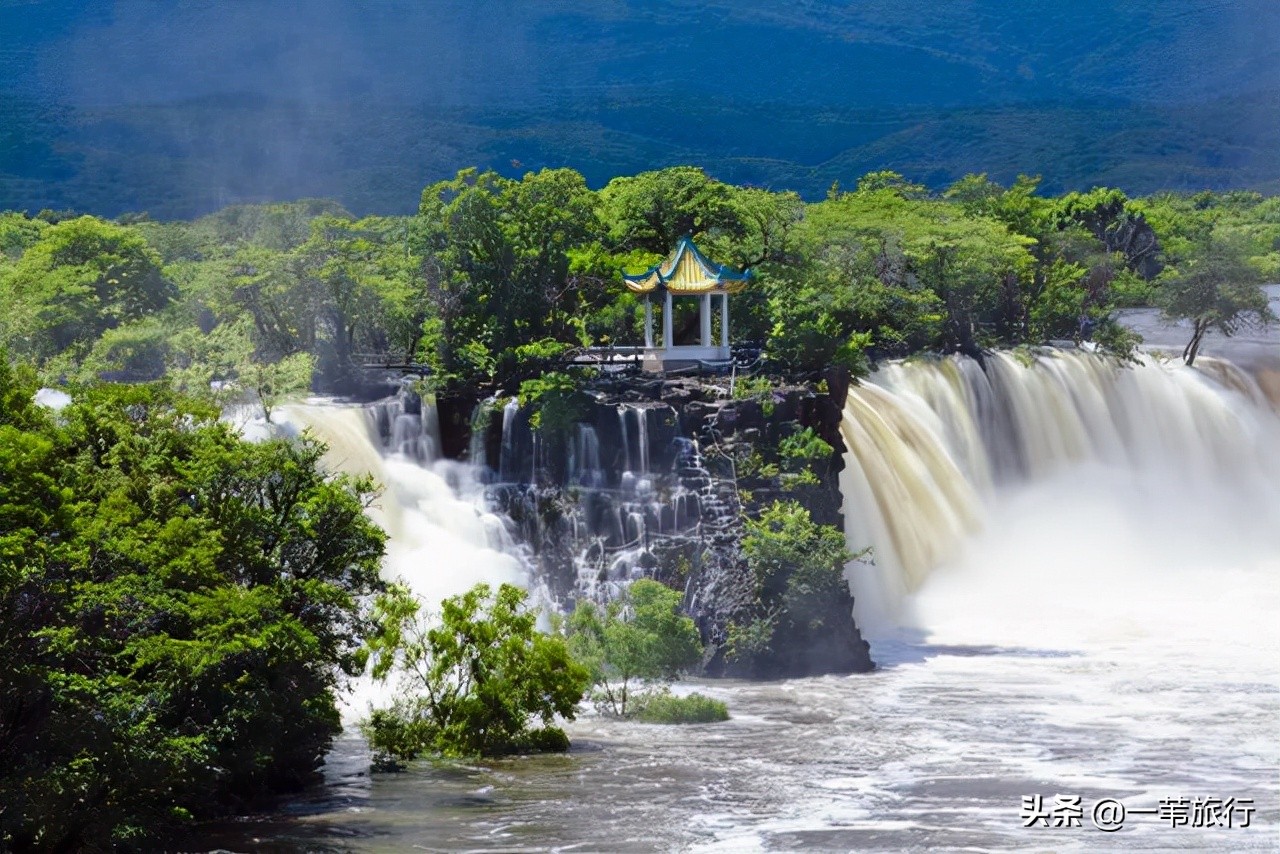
(652,480)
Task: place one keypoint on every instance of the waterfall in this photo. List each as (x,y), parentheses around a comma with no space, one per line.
(952,466)
(442,537)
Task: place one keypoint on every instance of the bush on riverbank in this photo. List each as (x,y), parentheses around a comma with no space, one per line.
(638,641)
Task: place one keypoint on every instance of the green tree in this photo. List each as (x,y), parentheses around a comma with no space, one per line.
(132,352)
(177,610)
(1118,223)
(272,382)
(798,568)
(1217,289)
(895,263)
(503,268)
(888,180)
(795,559)
(280,226)
(80,278)
(18,233)
(359,288)
(224,368)
(640,637)
(472,682)
(652,210)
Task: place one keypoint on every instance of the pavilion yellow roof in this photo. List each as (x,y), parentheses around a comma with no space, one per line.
(686,271)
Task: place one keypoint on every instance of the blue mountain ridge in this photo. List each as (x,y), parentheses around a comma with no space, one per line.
(180,108)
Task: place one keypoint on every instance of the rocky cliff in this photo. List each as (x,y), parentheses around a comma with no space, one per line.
(655,478)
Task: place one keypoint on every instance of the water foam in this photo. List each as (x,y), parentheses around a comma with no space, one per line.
(442,539)
(1063,483)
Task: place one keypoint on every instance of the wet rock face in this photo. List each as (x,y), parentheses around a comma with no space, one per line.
(653,480)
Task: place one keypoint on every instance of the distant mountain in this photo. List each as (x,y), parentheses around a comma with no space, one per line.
(179,108)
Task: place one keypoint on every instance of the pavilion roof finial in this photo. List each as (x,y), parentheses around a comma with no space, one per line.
(687,271)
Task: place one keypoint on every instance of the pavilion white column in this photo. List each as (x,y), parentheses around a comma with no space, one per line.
(704,314)
(724,323)
(648,322)
(666,323)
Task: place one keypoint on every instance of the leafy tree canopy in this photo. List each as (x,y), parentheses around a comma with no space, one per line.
(80,278)
(798,567)
(1217,289)
(490,265)
(639,637)
(478,680)
(177,607)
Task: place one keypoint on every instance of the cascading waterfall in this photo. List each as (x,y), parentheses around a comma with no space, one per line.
(943,457)
(442,537)
(640,493)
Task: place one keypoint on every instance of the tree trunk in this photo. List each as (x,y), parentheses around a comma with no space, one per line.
(1193,346)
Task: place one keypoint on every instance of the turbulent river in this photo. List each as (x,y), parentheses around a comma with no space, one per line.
(1075,595)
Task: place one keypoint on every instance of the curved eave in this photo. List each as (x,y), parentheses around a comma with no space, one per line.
(688,273)
(641,284)
(654,285)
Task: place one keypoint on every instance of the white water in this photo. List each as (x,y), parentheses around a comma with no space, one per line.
(1040,473)
(441,539)
(1076,585)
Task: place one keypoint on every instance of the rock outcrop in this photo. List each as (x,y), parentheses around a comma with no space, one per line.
(654,478)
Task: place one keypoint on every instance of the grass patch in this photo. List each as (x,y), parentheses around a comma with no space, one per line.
(693,709)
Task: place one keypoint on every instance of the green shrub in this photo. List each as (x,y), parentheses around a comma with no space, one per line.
(748,387)
(638,639)
(798,564)
(803,449)
(665,708)
(1116,339)
(754,465)
(1128,289)
(472,681)
(557,398)
(785,541)
(793,481)
(750,640)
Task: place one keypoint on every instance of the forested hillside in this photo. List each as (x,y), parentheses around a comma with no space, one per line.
(183,109)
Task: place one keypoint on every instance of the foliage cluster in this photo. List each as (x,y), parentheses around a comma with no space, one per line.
(177,608)
(479,679)
(798,569)
(634,644)
(472,681)
(663,707)
(556,399)
(803,449)
(1216,290)
(495,279)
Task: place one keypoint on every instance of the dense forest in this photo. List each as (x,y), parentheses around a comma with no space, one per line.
(495,278)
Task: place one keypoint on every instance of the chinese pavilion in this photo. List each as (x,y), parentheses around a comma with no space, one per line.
(686,272)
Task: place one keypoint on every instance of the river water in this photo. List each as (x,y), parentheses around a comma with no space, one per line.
(1076,594)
